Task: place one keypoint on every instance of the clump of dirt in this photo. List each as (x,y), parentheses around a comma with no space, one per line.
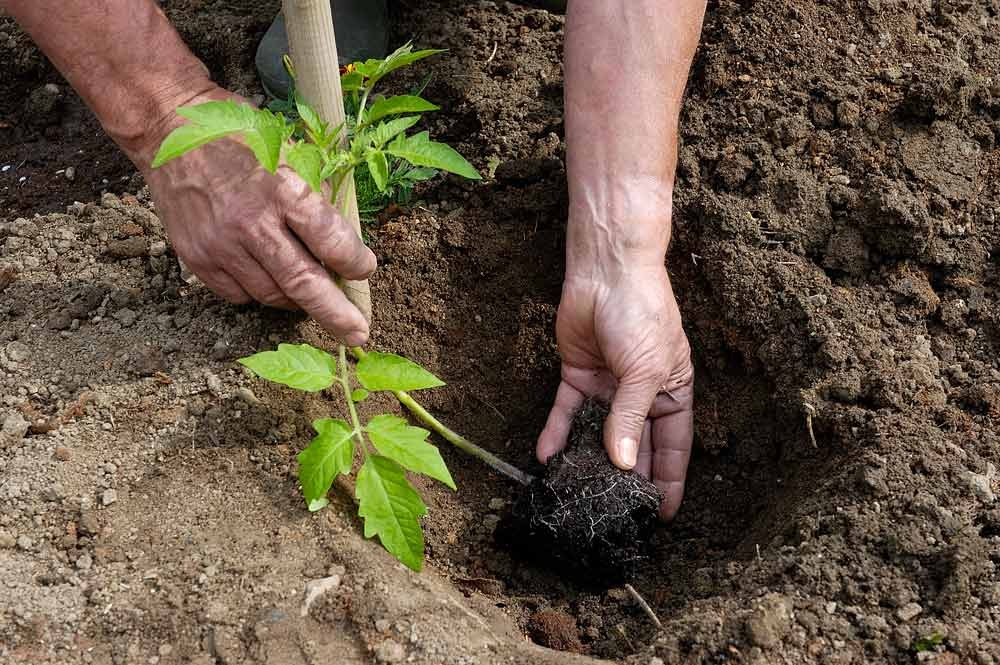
(586,516)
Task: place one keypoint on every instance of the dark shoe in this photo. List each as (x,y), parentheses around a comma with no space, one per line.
(362,33)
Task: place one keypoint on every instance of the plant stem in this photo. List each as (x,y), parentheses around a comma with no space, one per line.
(452,437)
(345,383)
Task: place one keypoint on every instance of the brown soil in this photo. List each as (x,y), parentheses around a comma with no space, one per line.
(835,255)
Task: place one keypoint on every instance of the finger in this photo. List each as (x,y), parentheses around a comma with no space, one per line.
(306,282)
(256,281)
(644,462)
(222,284)
(554,435)
(623,428)
(328,235)
(672,435)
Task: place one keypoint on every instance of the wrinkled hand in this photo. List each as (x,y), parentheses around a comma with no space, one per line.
(621,341)
(249,235)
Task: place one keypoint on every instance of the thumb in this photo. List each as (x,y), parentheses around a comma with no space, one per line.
(623,428)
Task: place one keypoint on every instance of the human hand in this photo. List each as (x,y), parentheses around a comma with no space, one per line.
(621,340)
(249,235)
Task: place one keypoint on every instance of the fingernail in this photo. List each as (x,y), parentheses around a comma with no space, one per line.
(628,450)
(356,338)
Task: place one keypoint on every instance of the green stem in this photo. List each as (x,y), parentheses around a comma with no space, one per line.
(345,383)
(452,437)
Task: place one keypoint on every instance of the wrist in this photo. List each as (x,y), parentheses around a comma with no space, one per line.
(618,226)
(147,114)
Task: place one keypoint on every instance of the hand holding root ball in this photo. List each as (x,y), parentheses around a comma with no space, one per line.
(622,343)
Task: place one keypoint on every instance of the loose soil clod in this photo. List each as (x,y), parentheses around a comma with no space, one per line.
(589,517)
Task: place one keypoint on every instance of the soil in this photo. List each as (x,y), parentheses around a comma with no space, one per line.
(834,253)
(585,517)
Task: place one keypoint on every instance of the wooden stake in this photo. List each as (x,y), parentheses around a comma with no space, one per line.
(313,46)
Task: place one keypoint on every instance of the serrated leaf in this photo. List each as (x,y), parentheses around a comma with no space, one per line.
(387,371)
(421,151)
(307,160)
(309,117)
(330,453)
(379,168)
(385,131)
(408,446)
(265,142)
(351,81)
(397,105)
(391,509)
(209,121)
(401,57)
(298,366)
(359,395)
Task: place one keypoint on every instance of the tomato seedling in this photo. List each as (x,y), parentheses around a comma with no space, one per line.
(373,138)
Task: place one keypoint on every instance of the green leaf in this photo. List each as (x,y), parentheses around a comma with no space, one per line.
(309,117)
(307,160)
(398,104)
(266,142)
(379,168)
(318,504)
(330,453)
(385,131)
(401,57)
(298,366)
(387,371)
(418,174)
(421,151)
(351,81)
(359,395)
(209,121)
(408,446)
(391,509)
(928,643)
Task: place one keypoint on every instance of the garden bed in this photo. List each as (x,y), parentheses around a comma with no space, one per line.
(834,255)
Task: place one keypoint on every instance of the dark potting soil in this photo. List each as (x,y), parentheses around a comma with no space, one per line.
(585,515)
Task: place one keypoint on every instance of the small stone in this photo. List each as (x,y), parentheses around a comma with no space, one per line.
(316,588)
(109,200)
(18,352)
(213,382)
(84,562)
(89,525)
(655,661)
(220,350)
(157,248)
(247,395)
(979,485)
(165,650)
(831,607)
(15,426)
(382,625)
(848,114)
(770,621)
(909,611)
(496,503)
(61,320)
(129,248)
(70,172)
(126,317)
(24,543)
(390,651)
(7,541)
(150,361)
(108,497)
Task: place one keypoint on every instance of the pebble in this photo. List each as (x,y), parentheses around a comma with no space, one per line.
(7,541)
(61,320)
(770,621)
(126,317)
(84,562)
(213,382)
(15,427)
(382,625)
(247,395)
(496,503)
(108,497)
(390,651)
(129,248)
(70,172)
(18,352)
(158,248)
(220,350)
(909,611)
(316,588)
(89,525)
(979,485)
(24,542)
(149,361)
